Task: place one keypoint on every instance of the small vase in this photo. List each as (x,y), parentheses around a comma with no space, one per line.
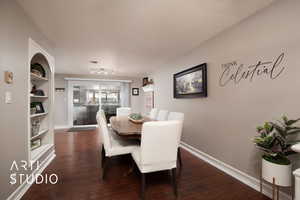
(282,174)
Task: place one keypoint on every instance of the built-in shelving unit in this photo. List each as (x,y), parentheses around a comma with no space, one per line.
(41,133)
(41,136)
(38,115)
(38,152)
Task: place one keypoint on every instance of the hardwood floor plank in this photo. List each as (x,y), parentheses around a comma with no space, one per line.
(78,166)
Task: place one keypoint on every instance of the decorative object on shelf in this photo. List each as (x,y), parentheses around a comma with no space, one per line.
(59,89)
(136,118)
(8,77)
(35,144)
(38,70)
(191,83)
(33,89)
(145,81)
(147,85)
(135,91)
(150,82)
(275,140)
(38,106)
(33,111)
(35,127)
(37,92)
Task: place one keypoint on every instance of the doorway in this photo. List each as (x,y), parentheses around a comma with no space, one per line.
(85,98)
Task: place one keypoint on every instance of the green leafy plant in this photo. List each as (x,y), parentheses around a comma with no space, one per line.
(275,140)
(136,116)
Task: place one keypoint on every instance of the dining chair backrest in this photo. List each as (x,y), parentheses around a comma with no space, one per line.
(101,119)
(162,115)
(153,113)
(98,115)
(123,111)
(176,116)
(164,151)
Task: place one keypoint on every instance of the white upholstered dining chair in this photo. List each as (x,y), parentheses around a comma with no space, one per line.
(153,113)
(112,145)
(162,115)
(179,117)
(123,111)
(154,156)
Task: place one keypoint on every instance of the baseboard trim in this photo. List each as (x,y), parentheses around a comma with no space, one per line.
(22,189)
(61,127)
(235,173)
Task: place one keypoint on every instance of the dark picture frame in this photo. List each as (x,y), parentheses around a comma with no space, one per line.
(36,143)
(191,83)
(39,108)
(135,91)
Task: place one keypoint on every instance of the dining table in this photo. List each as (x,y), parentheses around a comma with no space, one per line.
(126,128)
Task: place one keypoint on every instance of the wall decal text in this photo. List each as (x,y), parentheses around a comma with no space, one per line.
(234,72)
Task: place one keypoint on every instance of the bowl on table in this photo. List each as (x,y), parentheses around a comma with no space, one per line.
(136,118)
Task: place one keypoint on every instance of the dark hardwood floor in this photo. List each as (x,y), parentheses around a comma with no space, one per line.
(78,167)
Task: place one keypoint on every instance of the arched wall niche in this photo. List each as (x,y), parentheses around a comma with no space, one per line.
(42,60)
(45,151)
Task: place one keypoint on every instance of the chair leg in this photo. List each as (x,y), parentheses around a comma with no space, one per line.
(102,156)
(143,187)
(104,170)
(174,184)
(179,157)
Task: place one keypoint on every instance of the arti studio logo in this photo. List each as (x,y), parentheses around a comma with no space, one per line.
(235,72)
(21,172)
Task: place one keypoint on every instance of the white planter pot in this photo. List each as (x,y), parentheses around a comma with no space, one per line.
(281,173)
(297,184)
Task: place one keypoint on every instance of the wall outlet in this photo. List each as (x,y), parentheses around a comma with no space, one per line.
(8,97)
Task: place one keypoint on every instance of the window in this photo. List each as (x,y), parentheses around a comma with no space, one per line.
(110,97)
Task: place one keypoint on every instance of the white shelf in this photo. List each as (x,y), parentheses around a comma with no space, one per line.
(41,97)
(42,132)
(38,152)
(38,115)
(37,78)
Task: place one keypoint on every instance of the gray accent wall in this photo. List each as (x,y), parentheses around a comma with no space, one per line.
(15,30)
(223,124)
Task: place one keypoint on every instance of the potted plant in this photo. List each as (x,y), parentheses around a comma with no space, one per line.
(275,141)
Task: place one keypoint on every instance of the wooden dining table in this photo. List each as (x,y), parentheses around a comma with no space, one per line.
(126,128)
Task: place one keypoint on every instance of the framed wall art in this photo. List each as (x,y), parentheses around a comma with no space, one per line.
(191,83)
(135,91)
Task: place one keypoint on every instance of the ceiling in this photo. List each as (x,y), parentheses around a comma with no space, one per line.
(132,37)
